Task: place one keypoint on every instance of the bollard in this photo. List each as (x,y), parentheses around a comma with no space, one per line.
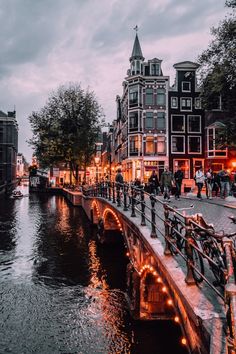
(125,198)
(153,232)
(189,252)
(167,250)
(132,203)
(143,219)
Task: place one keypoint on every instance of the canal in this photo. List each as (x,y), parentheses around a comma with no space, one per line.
(61,292)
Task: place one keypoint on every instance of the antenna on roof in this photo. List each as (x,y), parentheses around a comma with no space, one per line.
(136,28)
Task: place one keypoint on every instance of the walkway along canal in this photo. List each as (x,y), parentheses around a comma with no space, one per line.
(61,291)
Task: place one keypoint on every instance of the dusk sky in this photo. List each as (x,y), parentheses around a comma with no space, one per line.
(46,43)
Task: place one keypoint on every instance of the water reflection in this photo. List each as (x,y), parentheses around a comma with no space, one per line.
(60,291)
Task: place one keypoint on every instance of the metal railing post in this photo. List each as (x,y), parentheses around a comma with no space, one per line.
(132,203)
(143,219)
(167,250)
(125,198)
(113,193)
(118,195)
(153,214)
(109,191)
(189,279)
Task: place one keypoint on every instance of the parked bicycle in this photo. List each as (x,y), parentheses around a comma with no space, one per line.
(177,245)
(212,246)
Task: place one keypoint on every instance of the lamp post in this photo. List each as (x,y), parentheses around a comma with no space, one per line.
(97,161)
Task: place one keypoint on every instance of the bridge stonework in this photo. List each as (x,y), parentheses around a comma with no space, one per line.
(156,285)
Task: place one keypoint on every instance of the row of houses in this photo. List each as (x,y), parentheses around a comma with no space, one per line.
(160,125)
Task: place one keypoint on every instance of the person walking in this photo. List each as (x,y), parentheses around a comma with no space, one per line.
(209,183)
(154,183)
(167,180)
(224,183)
(178,177)
(199,178)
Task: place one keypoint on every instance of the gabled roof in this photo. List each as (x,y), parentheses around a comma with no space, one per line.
(137,51)
(188,65)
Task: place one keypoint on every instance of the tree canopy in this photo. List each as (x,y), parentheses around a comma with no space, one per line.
(218,72)
(66,128)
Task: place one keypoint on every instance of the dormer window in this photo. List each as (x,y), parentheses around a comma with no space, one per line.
(155,69)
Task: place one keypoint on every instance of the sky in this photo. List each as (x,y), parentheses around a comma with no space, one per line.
(47,43)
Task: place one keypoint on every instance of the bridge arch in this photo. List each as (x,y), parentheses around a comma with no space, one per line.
(95,213)
(111,220)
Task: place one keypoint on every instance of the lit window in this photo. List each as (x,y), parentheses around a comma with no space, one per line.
(150,147)
(177,123)
(177,144)
(194,124)
(134,145)
(174,102)
(194,144)
(161,145)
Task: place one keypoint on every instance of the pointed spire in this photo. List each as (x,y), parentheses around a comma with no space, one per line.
(137,52)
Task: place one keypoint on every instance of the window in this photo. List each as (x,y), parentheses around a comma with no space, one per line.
(212,150)
(149,120)
(134,145)
(184,166)
(161,145)
(161,97)
(194,144)
(133,96)
(194,124)
(161,121)
(177,123)
(198,104)
(155,69)
(149,96)
(186,104)
(174,102)
(150,146)
(133,120)
(177,144)
(186,86)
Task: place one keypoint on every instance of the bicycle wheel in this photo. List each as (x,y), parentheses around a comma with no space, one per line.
(176,240)
(198,264)
(219,269)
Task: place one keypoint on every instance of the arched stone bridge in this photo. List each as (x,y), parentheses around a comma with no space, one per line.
(156,282)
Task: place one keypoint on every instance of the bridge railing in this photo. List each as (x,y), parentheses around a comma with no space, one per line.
(208,255)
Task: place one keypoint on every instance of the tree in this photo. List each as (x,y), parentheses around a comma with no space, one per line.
(66,128)
(218,73)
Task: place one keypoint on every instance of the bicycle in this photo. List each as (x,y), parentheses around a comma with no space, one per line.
(212,246)
(178,244)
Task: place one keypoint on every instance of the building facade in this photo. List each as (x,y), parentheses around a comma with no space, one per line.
(141,140)
(186,122)
(8,149)
(22,166)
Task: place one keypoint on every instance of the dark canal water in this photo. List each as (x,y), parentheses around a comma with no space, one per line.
(60,292)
